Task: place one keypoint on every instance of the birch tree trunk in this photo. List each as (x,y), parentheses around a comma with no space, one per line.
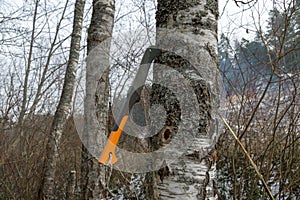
(188,28)
(64,106)
(93,182)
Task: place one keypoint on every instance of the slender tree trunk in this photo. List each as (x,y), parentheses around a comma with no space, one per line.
(189,29)
(64,106)
(93,175)
(28,67)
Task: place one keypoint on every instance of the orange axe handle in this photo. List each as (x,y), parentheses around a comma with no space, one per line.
(108,154)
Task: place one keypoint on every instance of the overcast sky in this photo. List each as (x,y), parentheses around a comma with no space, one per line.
(235,20)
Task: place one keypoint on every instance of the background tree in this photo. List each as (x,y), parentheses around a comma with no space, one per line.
(262,110)
(64,106)
(34,48)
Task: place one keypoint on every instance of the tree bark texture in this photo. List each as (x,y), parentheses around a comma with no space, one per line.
(64,106)
(71,185)
(93,175)
(187,28)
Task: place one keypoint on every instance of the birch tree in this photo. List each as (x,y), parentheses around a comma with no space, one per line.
(93,183)
(64,106)
(189,29)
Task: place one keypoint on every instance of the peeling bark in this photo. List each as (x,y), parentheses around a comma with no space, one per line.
(63,108)
(93,175)
(189,29)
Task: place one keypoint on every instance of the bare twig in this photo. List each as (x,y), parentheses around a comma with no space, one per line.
(249,158)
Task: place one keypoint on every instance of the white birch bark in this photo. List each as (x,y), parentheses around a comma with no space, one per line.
(189,29)
(64,106)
